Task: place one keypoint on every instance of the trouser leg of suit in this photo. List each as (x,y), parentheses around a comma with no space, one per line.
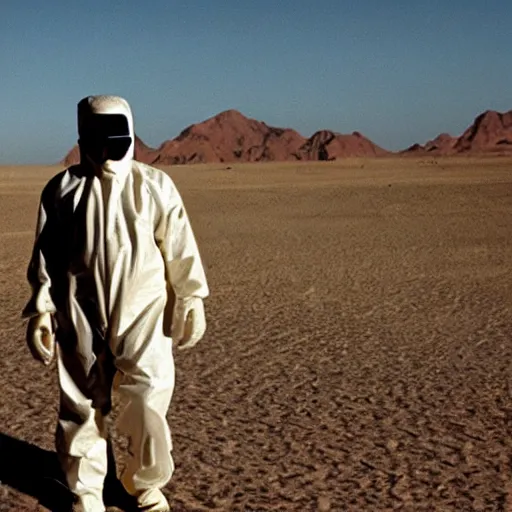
(81,439)
(144,359)
(85,386)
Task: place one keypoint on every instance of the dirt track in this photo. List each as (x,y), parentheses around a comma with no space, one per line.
(358,355)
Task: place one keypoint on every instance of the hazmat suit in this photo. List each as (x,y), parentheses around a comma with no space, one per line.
(114,250)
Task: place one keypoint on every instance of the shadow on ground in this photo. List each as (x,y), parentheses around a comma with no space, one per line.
(36,472)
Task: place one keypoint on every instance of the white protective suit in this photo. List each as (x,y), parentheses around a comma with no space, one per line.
(114,250)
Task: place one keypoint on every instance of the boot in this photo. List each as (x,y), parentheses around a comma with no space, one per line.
(152,500)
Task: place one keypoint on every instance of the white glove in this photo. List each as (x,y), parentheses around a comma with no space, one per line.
(41,338)
(188,322)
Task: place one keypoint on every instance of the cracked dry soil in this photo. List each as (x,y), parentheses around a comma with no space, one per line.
(358,353)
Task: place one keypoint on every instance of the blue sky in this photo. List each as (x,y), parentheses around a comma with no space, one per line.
(399,71)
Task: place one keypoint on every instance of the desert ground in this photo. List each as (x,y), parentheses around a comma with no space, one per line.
(358,353)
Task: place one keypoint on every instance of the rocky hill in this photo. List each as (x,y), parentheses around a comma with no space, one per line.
(491,132)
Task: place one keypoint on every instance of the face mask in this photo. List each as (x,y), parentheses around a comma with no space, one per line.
(105,137)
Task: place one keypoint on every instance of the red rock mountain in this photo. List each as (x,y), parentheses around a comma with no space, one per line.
(491,132)
(443,144)
(327,145)
(230,137)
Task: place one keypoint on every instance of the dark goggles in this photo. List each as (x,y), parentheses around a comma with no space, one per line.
(105,137)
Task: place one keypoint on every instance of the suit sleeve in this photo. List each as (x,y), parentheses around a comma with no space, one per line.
(184,268)
(38,274)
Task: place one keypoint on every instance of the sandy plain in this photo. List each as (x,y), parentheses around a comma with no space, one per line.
(358,353)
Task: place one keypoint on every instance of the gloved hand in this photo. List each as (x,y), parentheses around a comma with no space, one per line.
(188,322)
(41,338)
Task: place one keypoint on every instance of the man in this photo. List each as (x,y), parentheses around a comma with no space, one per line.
(114,250)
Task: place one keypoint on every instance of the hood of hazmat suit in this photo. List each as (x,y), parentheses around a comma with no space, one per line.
(106,136)
(114,247)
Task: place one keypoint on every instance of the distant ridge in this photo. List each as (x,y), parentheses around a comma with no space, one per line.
(490,133)
(232,137)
